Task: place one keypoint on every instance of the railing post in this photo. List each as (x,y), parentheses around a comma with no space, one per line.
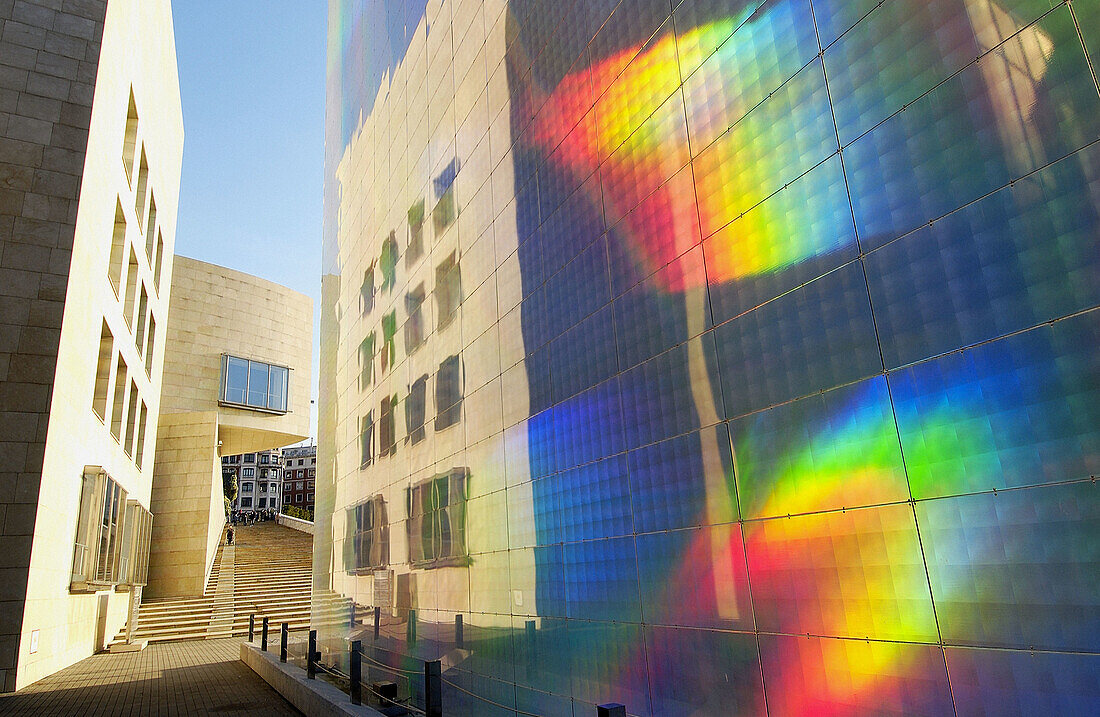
(263,635)
(356,674)
(458,632)
(284,634)
(377,620)
(410,628)
(311,656)
(611,710)
(252,627)
(433,689)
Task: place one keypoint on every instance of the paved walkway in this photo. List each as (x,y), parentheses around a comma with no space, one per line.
(175,679)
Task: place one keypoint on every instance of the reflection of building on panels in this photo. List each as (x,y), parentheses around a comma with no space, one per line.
(421,488)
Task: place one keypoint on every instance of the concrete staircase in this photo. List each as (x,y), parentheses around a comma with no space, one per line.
(267,572)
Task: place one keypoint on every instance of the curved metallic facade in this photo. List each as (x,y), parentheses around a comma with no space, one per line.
(716,357)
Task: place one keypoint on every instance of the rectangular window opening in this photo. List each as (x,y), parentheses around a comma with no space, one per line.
(142,189)
(414,324)
(131,420)
(103,372)
(119,404)
(142,312)
(150,342)
(448,393)
(159,260)
(139,448)
(448,289)
(151,228)
(118,249)
(129,142)
(131,289)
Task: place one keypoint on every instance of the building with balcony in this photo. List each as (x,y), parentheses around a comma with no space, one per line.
(299,477)
(259,480)
(91,140)
(716,357)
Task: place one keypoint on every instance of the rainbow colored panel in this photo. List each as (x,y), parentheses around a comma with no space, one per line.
(794,326)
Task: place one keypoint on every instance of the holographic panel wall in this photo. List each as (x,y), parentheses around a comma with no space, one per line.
(755,359)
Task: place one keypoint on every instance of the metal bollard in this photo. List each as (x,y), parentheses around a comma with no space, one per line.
(263,636)
(410,629)
(387,693)
(311,656)
(613,709)
(284,635)
(252,627)
(356,674)
(458,632)
(377,620)
(433,689)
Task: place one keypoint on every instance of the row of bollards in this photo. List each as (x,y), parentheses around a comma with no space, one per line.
(433,670)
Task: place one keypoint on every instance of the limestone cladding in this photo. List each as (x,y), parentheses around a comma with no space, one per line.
(69,194)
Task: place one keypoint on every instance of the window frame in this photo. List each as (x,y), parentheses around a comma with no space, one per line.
(248,388)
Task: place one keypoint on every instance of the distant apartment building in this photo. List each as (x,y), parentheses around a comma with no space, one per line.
(299,477)
(259,480)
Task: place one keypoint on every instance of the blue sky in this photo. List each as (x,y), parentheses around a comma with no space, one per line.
(252,76)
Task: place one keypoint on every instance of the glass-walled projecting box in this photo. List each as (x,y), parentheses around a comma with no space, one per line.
(246,383)
(716,357)
(112,536)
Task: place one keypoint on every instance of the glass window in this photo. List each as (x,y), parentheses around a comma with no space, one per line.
(258,374)
(246,502)
(366,292)
(249,457)
(248,472)
(366,541)
(387,437)
(415,409)
(389,346)
(436,525)
(414,324)
(445,211)
(366,440)
(366,365)
(277,385)
(235,379)
(387,263)
(448,393)
(263,502)
(98,538)
(254,384)
(246,487)
(448,289)
(416,233)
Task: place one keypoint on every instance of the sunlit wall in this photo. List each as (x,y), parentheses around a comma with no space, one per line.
(724,357)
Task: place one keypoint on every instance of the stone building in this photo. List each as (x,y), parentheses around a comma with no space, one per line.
(259,480)
(120,384)
(91,140)
(236,381)
(299,476)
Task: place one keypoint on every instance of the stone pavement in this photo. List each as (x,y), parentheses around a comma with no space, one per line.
(174,679)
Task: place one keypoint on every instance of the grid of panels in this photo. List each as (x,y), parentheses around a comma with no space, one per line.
(788,323)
